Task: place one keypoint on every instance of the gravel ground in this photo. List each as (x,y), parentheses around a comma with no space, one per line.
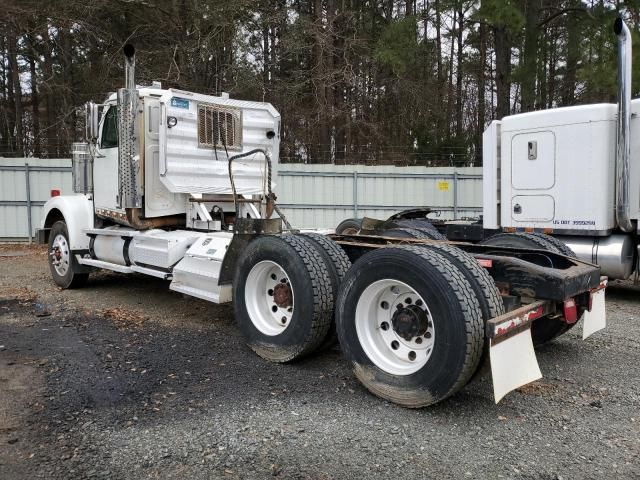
(126,379)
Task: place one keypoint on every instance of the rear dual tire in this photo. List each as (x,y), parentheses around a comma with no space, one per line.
(283,297)
(379,322)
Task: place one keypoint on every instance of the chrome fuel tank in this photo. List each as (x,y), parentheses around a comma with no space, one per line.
(614,254)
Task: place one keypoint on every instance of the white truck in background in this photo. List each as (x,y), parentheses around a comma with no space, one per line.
(565,178)
(178,185)
(573,173)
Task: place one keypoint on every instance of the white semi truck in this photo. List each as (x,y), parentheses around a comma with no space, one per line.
(177,185)
(570,176)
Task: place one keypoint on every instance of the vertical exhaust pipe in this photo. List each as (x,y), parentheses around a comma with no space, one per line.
(129,66)
(129,171)
(623,145)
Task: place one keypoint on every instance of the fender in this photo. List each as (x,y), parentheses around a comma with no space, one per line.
(77,211)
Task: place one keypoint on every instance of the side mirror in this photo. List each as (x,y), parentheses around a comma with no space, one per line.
(92,112)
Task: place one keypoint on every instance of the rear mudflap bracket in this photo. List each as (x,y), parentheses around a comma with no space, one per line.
(511,323)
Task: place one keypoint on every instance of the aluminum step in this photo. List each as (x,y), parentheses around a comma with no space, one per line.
(198,272)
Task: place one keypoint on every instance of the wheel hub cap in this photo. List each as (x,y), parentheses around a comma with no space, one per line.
(59,254)
(282,295)
(410,322)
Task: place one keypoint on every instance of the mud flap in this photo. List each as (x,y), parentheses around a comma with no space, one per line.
(513,363)
(595,319)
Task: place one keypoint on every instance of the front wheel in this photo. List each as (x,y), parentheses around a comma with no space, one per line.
(410,325)
(62,262)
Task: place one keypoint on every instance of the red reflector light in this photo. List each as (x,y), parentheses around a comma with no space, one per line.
(55,193)
(486,263)
(570,311)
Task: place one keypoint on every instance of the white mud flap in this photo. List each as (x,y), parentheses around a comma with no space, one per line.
(513,359)
(596,319)
(513,363)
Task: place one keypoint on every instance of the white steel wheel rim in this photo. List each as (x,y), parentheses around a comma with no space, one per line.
(267,284)
(60,257)
(388,350)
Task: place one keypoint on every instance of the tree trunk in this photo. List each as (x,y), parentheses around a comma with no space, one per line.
(17,92)
(440,85)
(408,7)
(482,34)
(529,67)
(50,133)
(459,99)
(320,86)
(502,40)
(573,55)
(450,98)
(35,99)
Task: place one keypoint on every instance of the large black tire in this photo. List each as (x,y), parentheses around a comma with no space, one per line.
(544,329)
(562,247)
(405,232)
(73,277)
(431,233)
(310,284)
(456,317)
(421,225)
(520,240)
(338,264)
(488,295)
(350,226)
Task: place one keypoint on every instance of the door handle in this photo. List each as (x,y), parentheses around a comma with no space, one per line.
(517,209)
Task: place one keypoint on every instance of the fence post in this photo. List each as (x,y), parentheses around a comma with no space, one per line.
(28,186)
(355,194)
(455,195)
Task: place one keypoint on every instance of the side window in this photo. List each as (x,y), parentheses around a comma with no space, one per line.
(110,129)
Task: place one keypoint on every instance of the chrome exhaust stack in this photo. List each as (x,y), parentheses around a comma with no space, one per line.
(129,66)
(623,141)
(128,156)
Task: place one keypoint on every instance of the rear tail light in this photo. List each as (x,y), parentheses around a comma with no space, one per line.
(570,311)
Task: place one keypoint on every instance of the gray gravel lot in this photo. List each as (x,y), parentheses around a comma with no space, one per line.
(126,379)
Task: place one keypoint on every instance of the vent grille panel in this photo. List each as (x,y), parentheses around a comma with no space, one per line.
(219,127)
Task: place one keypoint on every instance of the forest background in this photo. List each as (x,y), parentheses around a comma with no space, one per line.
(403,82)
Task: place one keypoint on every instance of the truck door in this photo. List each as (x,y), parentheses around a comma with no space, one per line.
(105,165)
(533,175)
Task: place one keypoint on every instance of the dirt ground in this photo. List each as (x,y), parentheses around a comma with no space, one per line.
(126,379)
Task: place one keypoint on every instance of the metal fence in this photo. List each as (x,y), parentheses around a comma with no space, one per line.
(312,196)
(321,196)
(25,186)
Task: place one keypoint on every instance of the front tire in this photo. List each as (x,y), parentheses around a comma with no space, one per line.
(282,295)
(62,262)
(410,324)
